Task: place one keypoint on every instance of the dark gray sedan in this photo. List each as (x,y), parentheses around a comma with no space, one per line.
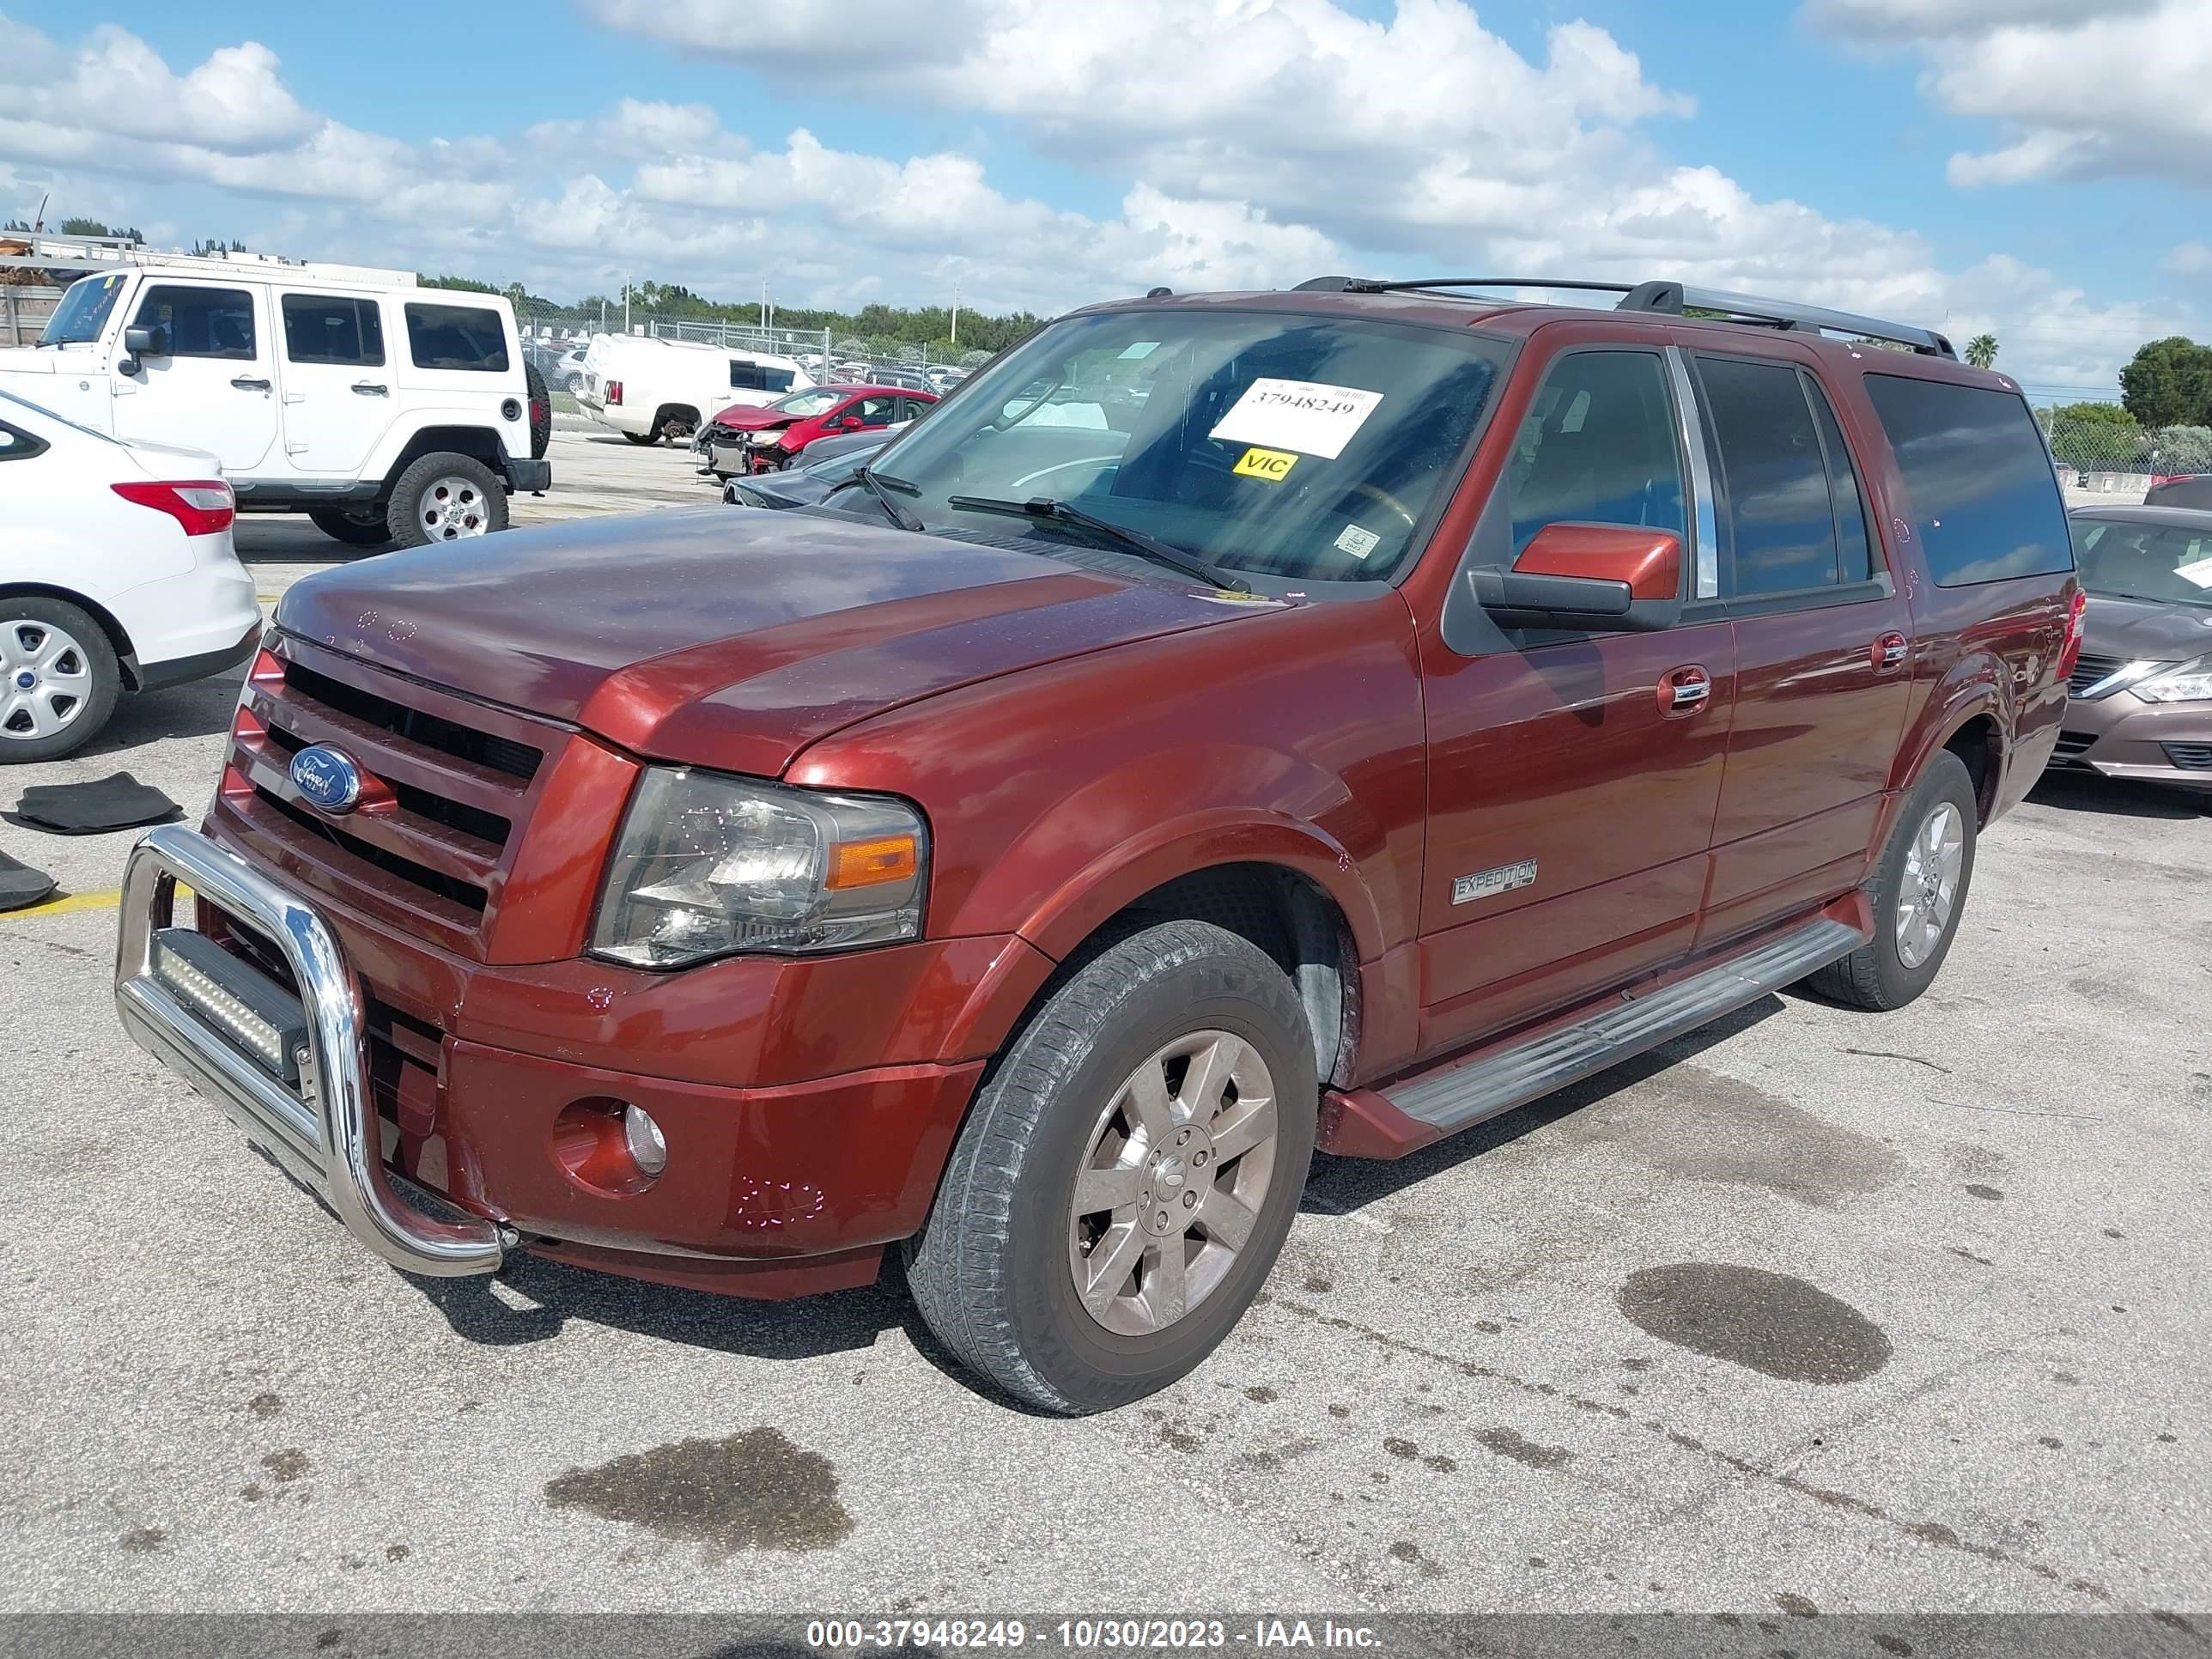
(2141,698)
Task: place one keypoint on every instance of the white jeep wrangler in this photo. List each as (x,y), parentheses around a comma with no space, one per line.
(387,412)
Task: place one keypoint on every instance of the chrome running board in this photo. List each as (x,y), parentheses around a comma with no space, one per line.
(1453,1100)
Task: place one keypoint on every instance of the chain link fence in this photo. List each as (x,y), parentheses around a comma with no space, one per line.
(828,354)
(2104,455)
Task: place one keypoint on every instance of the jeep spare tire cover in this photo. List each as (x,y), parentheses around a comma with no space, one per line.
(541,412)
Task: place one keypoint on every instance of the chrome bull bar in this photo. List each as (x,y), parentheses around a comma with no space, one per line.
(327,1134)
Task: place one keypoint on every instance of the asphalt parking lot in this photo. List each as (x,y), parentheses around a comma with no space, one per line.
(1814,1312)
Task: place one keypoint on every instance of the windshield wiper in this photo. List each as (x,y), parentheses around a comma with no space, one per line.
(1136,541)
(881,487)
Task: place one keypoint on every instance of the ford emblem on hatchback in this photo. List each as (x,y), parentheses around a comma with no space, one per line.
(329,779)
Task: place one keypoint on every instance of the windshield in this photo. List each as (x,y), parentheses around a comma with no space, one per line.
(83,312)
(804,403)
(2144,561)
(1305,447)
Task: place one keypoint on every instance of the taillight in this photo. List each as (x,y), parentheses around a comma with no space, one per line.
(2078,621)
(2160,479)
(203,507)
(614,392)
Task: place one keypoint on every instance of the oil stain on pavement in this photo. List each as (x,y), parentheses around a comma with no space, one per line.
(1694,1123)
(1774,1324)
(754,1490)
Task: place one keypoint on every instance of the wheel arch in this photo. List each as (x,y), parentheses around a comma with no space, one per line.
(119,637)
(478,443)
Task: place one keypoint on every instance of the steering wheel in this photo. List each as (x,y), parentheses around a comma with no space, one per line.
(1384,499)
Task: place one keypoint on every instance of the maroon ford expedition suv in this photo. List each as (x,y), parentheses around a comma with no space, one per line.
(1229,725)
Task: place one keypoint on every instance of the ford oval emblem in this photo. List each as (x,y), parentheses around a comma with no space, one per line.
(329,779)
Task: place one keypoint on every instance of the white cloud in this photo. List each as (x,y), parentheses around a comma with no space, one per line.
(2191,258)
(1251,144)
(2089,89)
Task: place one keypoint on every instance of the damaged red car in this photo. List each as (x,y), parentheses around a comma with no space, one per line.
(766,437)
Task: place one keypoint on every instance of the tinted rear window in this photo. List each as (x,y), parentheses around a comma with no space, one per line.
(456,336)
(1985,504)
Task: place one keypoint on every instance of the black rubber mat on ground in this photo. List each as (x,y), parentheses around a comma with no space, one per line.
(19,884)
(86,809)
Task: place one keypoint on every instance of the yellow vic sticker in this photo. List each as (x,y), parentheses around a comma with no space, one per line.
(1272,465)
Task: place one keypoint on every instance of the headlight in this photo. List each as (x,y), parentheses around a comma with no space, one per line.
(709,866)
(2190,683)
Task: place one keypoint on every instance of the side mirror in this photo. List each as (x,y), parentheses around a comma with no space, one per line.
(852,423)
(147,341)
(1591,578)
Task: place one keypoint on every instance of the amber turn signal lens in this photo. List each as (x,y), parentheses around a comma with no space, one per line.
(866,863)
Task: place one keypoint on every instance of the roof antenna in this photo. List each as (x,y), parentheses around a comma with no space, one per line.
(1160,293)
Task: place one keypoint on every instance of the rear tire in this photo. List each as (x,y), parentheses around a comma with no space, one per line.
(643,438)
(1918,892)
(355,526)
(541,411)
(1171,1083)
(445,497)
(75,680)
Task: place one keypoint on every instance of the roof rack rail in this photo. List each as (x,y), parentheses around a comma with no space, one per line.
(1673,299)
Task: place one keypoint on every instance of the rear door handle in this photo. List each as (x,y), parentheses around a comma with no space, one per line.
(1685,690)
(371,389)
(246,383)
(1888,653)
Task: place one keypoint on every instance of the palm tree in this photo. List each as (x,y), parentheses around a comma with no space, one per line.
(1982,351)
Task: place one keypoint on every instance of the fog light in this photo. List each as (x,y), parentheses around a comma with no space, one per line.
(642,1136)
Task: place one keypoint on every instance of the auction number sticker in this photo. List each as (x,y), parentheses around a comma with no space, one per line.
(1306,416)
(2200,572)
(1272,465)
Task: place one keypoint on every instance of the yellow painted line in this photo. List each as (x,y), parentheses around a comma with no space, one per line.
(62,907)
(70,903)
(269,598)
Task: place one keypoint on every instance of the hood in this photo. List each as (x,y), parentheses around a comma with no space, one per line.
(752,417)
(29,360)
(2145,630)
(731,639)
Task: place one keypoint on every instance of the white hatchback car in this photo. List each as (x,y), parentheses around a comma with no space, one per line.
(116,574)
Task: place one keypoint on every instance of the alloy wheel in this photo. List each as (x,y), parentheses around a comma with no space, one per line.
(451,509)
(1929,887)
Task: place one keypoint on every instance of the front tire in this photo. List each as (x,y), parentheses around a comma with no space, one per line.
(1128,1175)
(1918,893)
(445,497)
(59,680)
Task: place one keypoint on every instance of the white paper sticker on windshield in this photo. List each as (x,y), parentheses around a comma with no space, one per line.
(1142,350)
(2200,573)
(1302,415)
(1357,542)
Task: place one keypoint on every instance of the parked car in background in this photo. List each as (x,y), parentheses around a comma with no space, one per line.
(2180,490)
(386,412)
(1028,857)
(568,367)
(764,437)
(117,575)
(649,389)
(2141,703)
(804,485)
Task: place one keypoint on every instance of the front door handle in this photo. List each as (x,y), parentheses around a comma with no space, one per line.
(371,389)
(246,383)
(1888,652)
(1685,690)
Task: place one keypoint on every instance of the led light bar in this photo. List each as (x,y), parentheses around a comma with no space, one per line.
(239,1002)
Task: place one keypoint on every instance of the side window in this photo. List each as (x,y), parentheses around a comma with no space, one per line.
(775,379)
(1598,446)
(320,329)
(467,338)
(745,376)
(201,322)
(874,412)
(1853,549)
(1774,480)
(17,444)
(1985,502)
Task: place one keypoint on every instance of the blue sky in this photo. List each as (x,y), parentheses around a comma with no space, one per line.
(1923,156)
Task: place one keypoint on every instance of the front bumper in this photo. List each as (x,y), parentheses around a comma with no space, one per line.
(325,1132)
(2121,736)
(785,1184)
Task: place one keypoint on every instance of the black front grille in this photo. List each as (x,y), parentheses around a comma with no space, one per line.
(2089,670)
(463,893)
(517,760)
(2189,756)
(2072,746)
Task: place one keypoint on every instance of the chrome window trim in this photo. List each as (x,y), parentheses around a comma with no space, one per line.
(1704,524)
